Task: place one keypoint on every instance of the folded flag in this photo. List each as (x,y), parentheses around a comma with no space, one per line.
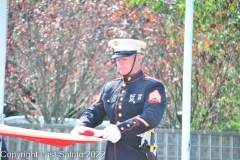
(50,138)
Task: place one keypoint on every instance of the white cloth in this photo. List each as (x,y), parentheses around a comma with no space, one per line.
(111,133)
(80,130)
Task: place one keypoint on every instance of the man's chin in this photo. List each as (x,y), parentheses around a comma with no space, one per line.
(122,72)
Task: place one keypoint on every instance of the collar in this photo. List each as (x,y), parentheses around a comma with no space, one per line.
(132,78)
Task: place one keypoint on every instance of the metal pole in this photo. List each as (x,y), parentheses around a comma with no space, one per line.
(187,71)
(3,43)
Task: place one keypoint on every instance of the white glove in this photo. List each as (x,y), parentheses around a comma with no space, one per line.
(82,130)
(111,133)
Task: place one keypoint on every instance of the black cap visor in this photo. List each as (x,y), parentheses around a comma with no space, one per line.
(120,54)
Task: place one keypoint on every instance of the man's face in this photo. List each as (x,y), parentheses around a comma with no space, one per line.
(124,64)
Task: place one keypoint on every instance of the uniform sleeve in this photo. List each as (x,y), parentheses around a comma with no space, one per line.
(153,110)
(94,115)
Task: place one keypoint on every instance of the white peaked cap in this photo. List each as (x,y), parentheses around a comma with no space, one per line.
(126,45)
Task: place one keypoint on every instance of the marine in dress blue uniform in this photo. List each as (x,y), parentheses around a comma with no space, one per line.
(134,104)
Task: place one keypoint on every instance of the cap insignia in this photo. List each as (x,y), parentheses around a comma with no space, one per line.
(115,43)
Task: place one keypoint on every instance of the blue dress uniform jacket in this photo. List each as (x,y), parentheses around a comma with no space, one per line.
(135,104)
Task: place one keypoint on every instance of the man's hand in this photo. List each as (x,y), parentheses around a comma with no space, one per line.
(112,133)
(86,131)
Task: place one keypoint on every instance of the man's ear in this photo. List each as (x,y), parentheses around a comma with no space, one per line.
(139,58)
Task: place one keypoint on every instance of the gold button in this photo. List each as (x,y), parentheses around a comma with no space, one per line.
(128,125)
(122,128)
(121,99)
(118,122)
(124,85)
(120,107)
(134,122)
(108,100)
(123,91)
(129,78)
(119,114)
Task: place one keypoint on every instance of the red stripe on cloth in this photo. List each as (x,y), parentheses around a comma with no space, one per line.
(49,141)
(50,138)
